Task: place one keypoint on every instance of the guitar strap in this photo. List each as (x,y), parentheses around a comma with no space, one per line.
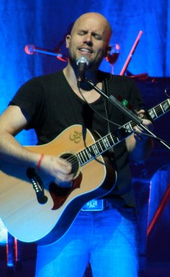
(106,106)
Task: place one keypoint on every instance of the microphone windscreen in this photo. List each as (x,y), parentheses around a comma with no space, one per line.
(29,49)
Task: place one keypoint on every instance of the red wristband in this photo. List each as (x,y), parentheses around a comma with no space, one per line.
(40,161)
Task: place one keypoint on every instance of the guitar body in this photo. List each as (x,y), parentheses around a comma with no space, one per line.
(29,220)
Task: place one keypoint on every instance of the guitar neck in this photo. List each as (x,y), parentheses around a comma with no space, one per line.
(110,140)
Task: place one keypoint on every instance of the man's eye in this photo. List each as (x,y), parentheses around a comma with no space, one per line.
(98,37)
(81,33)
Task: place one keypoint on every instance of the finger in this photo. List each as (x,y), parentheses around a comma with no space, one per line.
(64,177)
(63,165)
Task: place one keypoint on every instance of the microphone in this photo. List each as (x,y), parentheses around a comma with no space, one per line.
(82,63)
(32,49)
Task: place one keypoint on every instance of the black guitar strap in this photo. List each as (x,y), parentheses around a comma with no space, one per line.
(106,106)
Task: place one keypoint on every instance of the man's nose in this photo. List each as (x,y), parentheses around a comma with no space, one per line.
(88,39)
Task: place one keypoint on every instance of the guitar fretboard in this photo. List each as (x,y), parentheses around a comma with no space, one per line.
(110,140)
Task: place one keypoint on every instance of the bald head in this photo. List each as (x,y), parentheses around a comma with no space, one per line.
(98,21)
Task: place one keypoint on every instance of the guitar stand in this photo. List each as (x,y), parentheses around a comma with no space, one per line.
(13,255)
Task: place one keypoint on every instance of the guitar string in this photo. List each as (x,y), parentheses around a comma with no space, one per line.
(73,159)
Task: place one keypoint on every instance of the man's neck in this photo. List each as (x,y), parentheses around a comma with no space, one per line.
(72,78)
(89,93)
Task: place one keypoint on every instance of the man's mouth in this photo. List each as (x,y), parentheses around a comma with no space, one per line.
(85,50)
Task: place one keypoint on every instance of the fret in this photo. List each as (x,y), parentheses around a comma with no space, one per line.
(165,106)
(114,139)
(81,157)
(91,150)
(106,143)
(102,144)
(84,159)
(158,110)
(85,154)
(109,141)
(88,155)
(95,149)
(101,149)
(128,126)
(152,113)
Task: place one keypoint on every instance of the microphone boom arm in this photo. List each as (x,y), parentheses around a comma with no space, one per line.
(32,49)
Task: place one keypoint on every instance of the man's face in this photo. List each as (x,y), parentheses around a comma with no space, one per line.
(89,38)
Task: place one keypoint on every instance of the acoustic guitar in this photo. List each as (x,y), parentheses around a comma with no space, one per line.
(34,208)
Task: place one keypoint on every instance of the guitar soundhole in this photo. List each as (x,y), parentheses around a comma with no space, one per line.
(60,194)
(71,158)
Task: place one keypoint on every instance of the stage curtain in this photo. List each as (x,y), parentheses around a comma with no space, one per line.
(45,23)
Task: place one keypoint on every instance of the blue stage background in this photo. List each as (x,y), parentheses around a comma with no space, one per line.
(45,23)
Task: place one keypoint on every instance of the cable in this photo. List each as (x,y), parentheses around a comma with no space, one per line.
(114,123)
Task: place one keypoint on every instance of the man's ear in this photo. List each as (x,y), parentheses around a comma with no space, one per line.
(68,37)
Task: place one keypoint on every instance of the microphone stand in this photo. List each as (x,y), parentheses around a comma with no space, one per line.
(127,112)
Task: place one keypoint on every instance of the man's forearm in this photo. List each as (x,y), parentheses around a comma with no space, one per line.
(12,151)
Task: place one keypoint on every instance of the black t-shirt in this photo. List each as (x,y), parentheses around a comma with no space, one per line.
(50,105)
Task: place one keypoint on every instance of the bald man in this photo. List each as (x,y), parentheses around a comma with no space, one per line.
(103,232)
